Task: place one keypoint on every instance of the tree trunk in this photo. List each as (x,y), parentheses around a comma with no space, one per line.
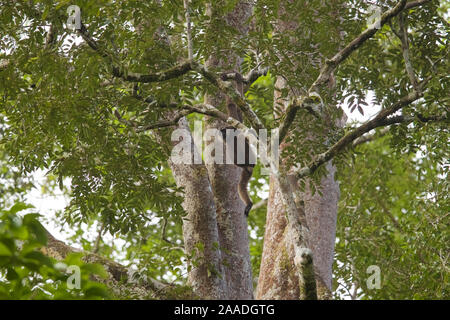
(279,276)
(231,221)
(200,233)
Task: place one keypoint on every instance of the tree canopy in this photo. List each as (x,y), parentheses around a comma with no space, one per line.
(95,108)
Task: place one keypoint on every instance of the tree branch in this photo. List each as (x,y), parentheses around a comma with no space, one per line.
(403,36)
(342,55)
(370,137)
(99,238)
(333,63)
(409,119)
(165,123)
(121,72)
(175,72)
(209,110)
(379,120)
(228,89)
(172,73)
(117,273)
(417,3)
(50,39)
(291,111)
(201,108)
(251,77)
(91,41)
(395,120)
(188,30)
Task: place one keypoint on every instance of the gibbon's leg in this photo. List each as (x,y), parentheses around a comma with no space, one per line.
(242,188)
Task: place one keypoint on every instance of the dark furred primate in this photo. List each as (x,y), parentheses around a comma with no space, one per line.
(246,165)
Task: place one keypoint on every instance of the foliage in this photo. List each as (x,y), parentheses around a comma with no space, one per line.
(27,273)
(59,106)
(393,213)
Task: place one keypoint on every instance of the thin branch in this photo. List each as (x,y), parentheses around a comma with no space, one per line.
(91,41)
(151,101)
(121,72)
(403,36)
(260,204)
(391,217)
(342,55)
(188,29)
(124,121)
(173,246)
(354,294)
(251,77)
(409,119)
(333,63)
(291,111)
(228,89)
(417,3)
(177,71)
(164,123)
(395,31)
(370,137)
(98,239)
(172,73)
(210,110)
(394,120)
(50,39)
(201,108)
(163,233)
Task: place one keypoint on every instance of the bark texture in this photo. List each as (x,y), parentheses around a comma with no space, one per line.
(119,279)
(279,277)
(231,221)
(321,216)
(200,232)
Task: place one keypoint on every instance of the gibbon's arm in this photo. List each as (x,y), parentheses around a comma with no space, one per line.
(242,188)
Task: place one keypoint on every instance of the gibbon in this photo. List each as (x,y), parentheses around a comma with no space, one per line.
(247,165)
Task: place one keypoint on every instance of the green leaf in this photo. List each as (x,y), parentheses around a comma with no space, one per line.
(20,206)
(40,257)
(4,250)
(96,290)
(36,227)
(12,274)
(95,268)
